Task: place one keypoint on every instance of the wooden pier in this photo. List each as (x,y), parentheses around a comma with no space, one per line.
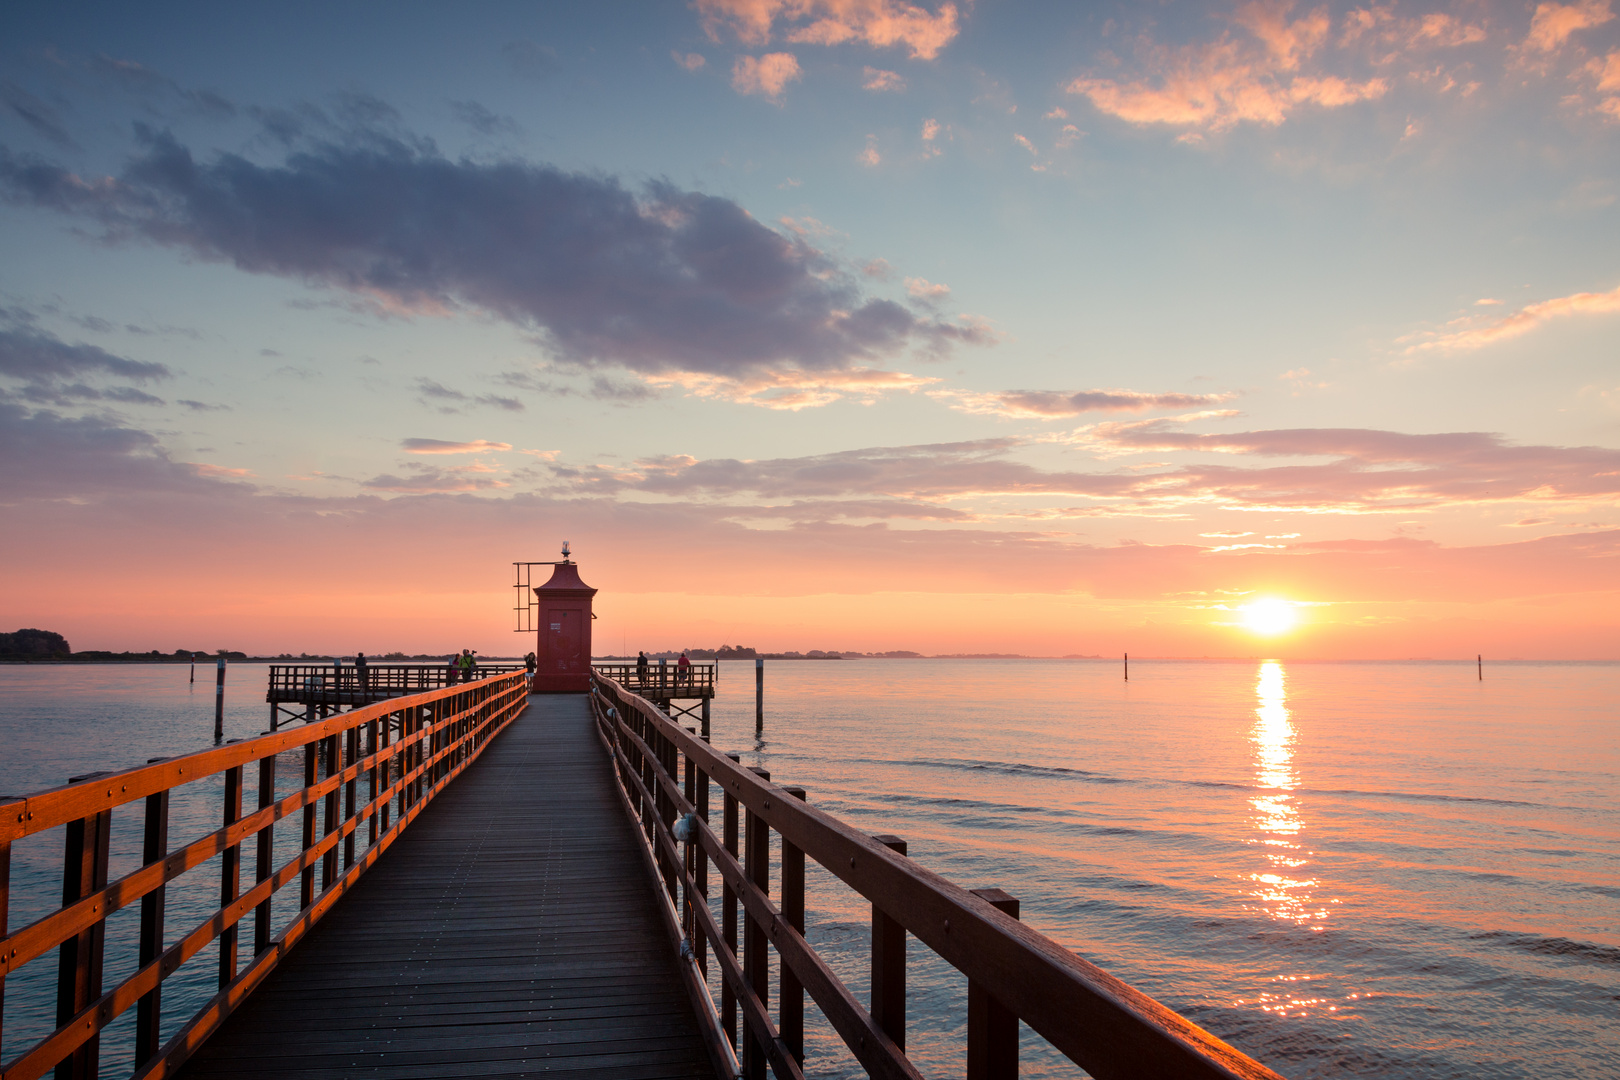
(315,691)
(511,932)
(489,887)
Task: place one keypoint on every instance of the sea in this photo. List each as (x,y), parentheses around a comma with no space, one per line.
(1391,869)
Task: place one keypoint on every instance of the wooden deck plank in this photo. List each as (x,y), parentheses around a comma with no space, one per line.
(511,931)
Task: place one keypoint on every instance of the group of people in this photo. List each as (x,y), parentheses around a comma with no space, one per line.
(683,669)
(462,666)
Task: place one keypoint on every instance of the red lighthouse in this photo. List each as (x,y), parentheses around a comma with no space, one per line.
(563,657)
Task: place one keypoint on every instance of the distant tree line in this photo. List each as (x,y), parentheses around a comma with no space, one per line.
(30,644)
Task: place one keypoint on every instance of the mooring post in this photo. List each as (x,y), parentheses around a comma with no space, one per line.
(992,1042)
(759,693)
(193,667)
(889,963)
(1127,667)
(705,716)
(219,701)
(1480,660)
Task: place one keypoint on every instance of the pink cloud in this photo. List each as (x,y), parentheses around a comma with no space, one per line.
(689,61)
(1553,23)
(439,446)
(1044,404)
(793,390)
(1522,321)
(766,76)
(878,23)
(1233,79)
(923,289)
(877,80)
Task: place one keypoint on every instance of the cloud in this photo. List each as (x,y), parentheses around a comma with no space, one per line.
(792,391)
(202,406)
(690,61)
(142,81)
(1553,23)
(482,120)
(440,446)
(923,289)
(1258,78)
(878,23)
(1046,404)
(49,456)
(1522,321)
(428,388)
(669,281)
(1372,471)
(766,76)
(879,80)
(870,156)
(51,371)
(45,121)
(428,481)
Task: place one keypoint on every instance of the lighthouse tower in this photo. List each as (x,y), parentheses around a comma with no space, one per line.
(563,654)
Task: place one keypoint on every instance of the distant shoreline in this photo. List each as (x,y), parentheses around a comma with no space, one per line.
(211,660)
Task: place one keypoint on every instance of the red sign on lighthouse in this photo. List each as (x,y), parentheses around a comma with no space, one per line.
(563,657)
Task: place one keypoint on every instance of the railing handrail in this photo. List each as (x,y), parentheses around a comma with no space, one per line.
(50,807)
(1103,1024)
(440,733)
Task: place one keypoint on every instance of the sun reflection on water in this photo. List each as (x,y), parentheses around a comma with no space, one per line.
(1283,890)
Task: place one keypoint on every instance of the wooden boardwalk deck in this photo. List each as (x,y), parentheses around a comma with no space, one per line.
(510,932)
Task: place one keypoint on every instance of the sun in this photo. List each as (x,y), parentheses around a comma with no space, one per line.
(1269,616)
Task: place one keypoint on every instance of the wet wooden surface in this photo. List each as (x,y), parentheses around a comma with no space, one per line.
(510,932)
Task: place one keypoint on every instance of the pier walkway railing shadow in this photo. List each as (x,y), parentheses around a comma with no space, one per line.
(405,751)
(667,773)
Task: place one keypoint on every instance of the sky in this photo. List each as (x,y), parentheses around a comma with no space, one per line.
(1172,329)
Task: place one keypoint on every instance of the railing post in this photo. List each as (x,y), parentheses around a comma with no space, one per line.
(264,855)
(334,764)
(154,848)
(230,876)
(700,871)
(756,957)
(78,980)
(5,910)
(889,963)
(350,791)
(306,883)
(728,910)
(371,784)
(790,993)
(992,1050)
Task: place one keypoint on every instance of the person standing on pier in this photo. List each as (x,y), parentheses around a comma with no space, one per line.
(362,675)
(683,670)
(467,663)
(641,668)
(451,666)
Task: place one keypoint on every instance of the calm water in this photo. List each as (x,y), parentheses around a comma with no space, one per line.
(1343,869)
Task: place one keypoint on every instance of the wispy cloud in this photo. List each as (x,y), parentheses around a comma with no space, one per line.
(440,446)
(1468,334)
(690,61)
(765,76)
(794,390)
(878,23)
(878,80)
(1049,404)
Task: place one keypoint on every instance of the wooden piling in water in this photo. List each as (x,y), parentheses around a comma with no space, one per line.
(759,693)
(219,701)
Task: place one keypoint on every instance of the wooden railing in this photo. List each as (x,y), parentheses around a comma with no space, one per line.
(435,736)
(293,682)
(663,680)
(1014,973)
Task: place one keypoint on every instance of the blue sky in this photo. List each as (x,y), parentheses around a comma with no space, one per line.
(801,285)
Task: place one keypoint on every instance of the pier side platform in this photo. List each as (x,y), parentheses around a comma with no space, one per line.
(511,931)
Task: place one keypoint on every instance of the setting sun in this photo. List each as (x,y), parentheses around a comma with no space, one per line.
(1269,616)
